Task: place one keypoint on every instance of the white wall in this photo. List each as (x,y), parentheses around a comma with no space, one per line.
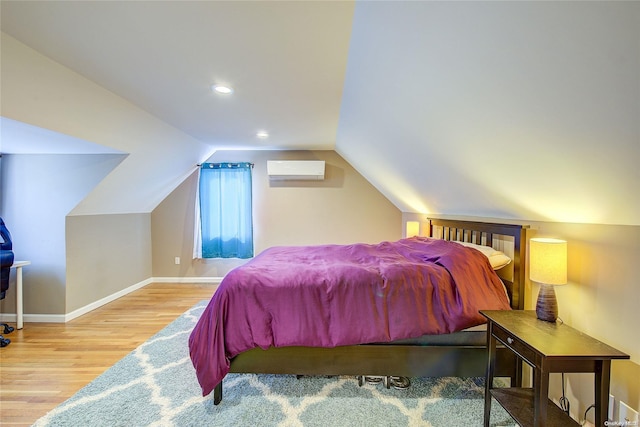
(40,92)
(43,93)
(344,208)
(106,254)
(37,192)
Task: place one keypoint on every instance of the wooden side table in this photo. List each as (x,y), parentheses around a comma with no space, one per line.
(546,347)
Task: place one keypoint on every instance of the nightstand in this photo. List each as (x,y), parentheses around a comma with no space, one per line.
(546,347)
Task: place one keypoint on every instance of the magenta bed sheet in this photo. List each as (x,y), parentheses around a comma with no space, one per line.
(332,295)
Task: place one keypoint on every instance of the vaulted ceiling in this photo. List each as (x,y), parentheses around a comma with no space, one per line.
(285,61)
(509,109)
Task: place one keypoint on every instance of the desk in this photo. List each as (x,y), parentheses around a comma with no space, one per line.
(546,347)
(19,314)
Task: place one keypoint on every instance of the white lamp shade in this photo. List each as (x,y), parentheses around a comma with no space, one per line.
(413,228)
(548,261)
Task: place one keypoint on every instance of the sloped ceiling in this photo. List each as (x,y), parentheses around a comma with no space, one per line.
(22,138)
(527,110)
(285,60)
(506,109)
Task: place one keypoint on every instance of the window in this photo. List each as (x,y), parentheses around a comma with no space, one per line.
(224,220)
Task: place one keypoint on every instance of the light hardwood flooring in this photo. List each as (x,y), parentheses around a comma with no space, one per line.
(46,363)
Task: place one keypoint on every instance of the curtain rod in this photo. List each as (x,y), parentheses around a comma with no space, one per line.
(231,163)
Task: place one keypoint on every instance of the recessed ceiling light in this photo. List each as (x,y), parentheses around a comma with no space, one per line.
(225,90)
(262,134)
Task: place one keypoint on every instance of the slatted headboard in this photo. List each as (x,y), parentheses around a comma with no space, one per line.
(491,234)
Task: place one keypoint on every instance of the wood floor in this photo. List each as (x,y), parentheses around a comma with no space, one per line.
(46,363)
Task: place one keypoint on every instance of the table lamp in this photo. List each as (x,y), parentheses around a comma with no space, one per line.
(547,266)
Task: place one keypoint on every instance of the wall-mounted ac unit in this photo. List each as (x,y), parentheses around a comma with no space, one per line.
(295,169)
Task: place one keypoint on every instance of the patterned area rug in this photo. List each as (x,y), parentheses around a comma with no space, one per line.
(155,385)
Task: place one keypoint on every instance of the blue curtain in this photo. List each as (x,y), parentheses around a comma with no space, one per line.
(226,220)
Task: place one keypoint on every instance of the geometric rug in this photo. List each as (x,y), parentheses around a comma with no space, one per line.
(155,385)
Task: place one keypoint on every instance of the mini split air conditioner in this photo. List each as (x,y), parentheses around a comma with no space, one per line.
(295,169)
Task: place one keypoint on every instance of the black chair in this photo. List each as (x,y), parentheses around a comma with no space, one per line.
(6,261)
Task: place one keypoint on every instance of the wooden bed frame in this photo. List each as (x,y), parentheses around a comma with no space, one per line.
(388,359)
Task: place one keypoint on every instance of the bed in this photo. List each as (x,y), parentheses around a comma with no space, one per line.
(454,346)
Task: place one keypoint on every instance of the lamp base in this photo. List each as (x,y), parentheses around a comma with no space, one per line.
(547,305)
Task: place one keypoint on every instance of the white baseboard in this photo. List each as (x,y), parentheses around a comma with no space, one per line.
(90,307)
(210,280)
(35,318)
(64,318)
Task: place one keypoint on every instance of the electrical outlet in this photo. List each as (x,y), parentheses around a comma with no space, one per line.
(627,414)
(177,260)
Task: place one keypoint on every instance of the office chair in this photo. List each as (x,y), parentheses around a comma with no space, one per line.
(6,261)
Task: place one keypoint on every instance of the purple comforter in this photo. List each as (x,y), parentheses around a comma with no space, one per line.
(331,295)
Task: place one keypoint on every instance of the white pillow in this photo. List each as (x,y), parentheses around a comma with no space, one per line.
(497,258)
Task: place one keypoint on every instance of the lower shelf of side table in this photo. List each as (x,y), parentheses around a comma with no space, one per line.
(518,402)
